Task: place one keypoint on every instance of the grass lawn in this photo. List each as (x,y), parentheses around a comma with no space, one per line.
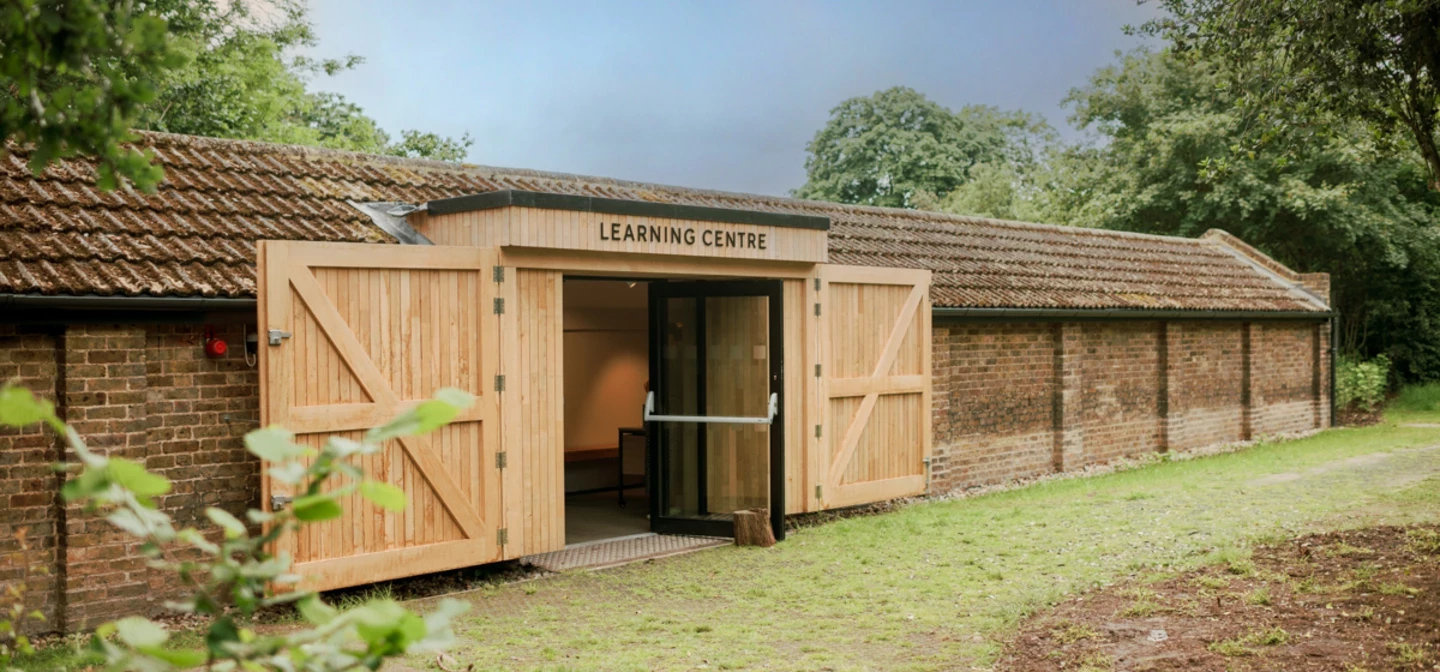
(938,584)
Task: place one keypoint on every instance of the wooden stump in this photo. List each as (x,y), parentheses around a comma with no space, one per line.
(752,528)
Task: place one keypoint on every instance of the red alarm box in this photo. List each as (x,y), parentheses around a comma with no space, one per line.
(215,347)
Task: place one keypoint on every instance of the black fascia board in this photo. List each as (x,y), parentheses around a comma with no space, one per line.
(1079,314)
(36,309)
(616,206)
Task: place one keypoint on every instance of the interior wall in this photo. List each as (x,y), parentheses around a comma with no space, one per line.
(606,360)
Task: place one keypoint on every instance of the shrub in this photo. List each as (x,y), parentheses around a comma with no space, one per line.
(228,580)
(1360,384)
(1421,398)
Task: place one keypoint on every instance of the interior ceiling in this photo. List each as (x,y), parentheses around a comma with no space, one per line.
(580,293)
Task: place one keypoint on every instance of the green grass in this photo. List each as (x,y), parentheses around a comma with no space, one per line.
(1423,398)
(940,584)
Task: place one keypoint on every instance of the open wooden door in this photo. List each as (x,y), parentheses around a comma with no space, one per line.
(355,334)
(874,384)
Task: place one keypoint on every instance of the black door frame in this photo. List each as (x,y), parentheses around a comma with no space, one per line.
(659,290)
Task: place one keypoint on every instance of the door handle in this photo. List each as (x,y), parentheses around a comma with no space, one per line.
(774,406)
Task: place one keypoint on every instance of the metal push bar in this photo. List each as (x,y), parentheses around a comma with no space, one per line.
(711,419)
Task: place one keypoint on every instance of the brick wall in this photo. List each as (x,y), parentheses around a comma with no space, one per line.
(1016,400)
(27,483)
(1120,380)
(1206,383)
(1006,429)
(142,392)
(1290,390)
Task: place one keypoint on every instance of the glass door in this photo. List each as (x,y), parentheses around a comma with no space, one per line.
(713,417)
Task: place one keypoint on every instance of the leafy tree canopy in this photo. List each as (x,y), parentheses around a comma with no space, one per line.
(77,75)
(1345,203)
(898,148)
(1298,62)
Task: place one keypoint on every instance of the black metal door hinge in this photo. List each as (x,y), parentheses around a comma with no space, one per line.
(499,274)
(499,306)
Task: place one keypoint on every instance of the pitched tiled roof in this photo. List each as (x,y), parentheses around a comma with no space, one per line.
(196,236)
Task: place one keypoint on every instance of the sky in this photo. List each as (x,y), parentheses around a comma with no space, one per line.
(717,95)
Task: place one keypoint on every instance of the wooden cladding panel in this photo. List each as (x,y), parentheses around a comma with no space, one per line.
(798,370)
(863,316)
(873,401)
(890,446)
(575,230)
(533,342)
(372,333)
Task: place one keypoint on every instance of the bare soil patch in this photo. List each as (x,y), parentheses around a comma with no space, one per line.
(1353,600)
(1359,417)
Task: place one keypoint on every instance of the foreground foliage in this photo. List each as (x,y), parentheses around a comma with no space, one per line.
(74,77)
(227,573)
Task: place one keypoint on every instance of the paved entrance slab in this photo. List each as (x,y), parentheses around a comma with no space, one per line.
(621,550)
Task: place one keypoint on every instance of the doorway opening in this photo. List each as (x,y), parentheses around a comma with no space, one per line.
(606,360)
(673,398)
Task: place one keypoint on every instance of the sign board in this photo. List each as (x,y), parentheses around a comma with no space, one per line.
(554,221)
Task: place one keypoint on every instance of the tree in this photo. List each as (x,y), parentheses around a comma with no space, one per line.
(1345,204)
(246,77)
(1300,62)
(229,574)
(75,76)
(897,148)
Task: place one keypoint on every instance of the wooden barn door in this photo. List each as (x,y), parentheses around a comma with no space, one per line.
(874,384)
(361,332)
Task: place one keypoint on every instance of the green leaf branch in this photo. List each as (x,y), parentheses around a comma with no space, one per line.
(231,574)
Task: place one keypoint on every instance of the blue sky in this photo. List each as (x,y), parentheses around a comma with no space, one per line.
(721,95)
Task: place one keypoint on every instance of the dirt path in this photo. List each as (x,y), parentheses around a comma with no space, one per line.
(1364,599)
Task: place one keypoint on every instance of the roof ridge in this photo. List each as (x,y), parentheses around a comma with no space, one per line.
(486,171)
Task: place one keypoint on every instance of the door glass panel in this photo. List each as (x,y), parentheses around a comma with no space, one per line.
(737,383)
(714,361)
(679,394)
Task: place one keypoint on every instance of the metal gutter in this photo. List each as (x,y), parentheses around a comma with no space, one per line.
(1124,314)
(1334,350)
(97,302)
(33,309)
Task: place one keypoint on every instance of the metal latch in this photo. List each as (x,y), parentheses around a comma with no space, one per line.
(279,502)
(276,336)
